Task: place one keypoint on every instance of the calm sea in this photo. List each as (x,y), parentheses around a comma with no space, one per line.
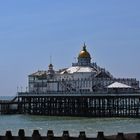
(72,124)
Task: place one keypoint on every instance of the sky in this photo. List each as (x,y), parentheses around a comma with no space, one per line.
(33,30)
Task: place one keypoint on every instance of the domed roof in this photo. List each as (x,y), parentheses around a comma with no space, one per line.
(84,53)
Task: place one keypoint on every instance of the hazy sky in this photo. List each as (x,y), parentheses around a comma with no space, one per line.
(33,30)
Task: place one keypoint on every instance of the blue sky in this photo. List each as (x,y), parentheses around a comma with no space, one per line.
(33,30)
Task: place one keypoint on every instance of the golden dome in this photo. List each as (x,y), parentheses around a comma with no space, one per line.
(84,53)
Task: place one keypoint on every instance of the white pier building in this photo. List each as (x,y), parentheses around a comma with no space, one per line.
(83,76)
(84,89)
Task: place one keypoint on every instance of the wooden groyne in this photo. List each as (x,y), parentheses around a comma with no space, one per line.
(65,136)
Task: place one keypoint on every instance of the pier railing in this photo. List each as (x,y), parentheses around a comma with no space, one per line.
(65,136)
(107,94)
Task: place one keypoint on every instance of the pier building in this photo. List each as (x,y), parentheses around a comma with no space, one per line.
(83,89)
(83,76)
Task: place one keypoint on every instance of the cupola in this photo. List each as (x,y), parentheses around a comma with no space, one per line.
(84,57)
(51,70)
(84,53)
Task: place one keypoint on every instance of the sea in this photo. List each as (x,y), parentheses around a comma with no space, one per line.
(74,125)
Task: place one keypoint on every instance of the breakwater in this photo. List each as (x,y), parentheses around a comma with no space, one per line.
(65,136)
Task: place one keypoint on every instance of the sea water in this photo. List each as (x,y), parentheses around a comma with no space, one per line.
(73,124)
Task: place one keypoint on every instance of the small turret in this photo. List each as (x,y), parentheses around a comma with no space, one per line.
(51,71)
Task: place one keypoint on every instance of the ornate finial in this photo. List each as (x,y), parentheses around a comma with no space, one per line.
(50,59)
(50,65)
(84,47)
(84,44)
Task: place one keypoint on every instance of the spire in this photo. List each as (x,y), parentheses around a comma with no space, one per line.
(84,47)
(50,65)
(51,70)
(50,59)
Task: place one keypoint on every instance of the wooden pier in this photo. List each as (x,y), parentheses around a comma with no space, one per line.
(81,104)
(9,106)
(85,104)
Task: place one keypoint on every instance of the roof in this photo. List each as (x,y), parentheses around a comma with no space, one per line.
(103,74)
(39,73)
(84,53)
(79,69)
(118,85)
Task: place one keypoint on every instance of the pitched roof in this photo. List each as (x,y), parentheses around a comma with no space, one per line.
(103,74)
(39,73)
(118,85)
(78,69)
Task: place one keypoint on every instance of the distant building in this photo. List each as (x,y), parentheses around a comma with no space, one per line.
(82,77)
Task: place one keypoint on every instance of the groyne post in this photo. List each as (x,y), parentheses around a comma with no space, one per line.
(36,135)
(120,136)
(50,135)
(138,136)
(9,135)
(82,135)
(100,136)
(65,135)
(21,134)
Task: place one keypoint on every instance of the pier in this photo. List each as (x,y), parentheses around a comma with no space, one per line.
(74,104)
(80,104)
(84,90)
(9,106)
